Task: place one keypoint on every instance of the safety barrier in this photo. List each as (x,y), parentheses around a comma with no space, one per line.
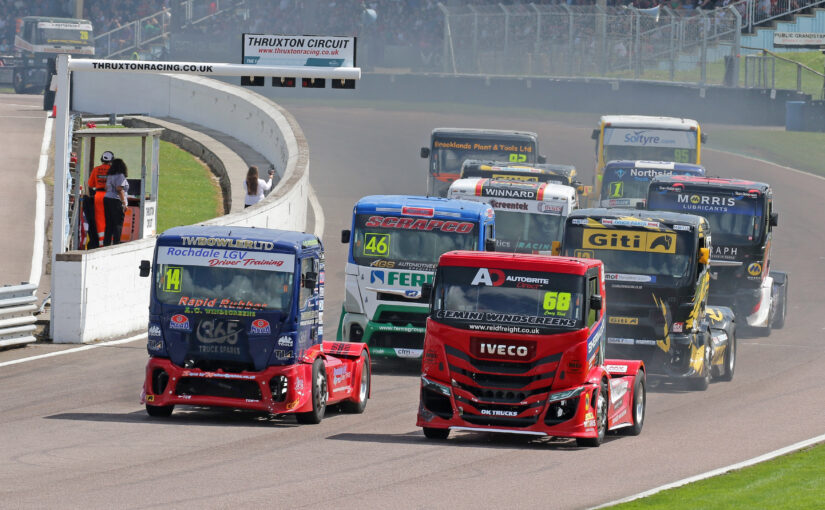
(17,307)
(98,293)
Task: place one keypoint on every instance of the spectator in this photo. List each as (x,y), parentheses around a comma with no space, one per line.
(115,202)
(254,187)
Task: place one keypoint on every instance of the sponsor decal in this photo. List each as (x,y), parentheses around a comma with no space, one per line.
(400,278)
(520,190)
(678,327)
(589,425)
(179,322)
(154,330)
(645,342)
(285,341)
(628,240)
(497,277)
(618,202)
(584,254)
(629,222)
(594,340)
(408,353)
(725,252)
(510,206)
(622,277)
(621,414)
(648,173)
(618,388)
(498,412)
(546,208)
(441,143)
(619,369)
(212,257)
(755,268)
(340,375)
(260,327)
(218,336)
(496,349)
(223,303)
(628,321)
(684,228)
(620,341)
(579,221)
(298,50)
(460,227)
(650,138)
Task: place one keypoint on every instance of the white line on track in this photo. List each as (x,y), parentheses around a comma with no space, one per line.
(317,212)
(40,206)
(750,462)
(72,351)
(38,117)
(32,106)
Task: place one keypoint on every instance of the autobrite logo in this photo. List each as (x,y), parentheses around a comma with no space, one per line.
(260,327)
(179,322)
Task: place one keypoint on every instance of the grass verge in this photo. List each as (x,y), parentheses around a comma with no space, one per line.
(188,192)
(796,149)
(794,481)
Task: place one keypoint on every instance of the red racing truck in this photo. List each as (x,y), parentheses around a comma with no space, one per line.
(515,343)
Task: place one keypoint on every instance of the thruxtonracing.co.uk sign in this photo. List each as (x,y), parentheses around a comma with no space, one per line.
(798,39)
(298,50)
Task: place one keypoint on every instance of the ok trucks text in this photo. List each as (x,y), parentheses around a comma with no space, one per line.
(236,320)
(515,344)
(394,247)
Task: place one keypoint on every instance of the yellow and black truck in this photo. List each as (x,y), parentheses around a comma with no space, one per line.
(657,275)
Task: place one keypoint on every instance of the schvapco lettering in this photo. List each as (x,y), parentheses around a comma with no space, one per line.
(460,227)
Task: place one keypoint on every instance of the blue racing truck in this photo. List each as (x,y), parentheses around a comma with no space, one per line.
(625,183)
(394,246)
(236,320)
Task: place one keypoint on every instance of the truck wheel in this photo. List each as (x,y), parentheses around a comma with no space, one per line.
(730,357)
(19,86)
(601,420)
(363,388)
(319,395)
(432,433)
(159,411)
(639,401)
(702,383)
(782,306)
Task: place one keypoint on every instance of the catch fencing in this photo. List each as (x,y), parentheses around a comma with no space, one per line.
(591,41)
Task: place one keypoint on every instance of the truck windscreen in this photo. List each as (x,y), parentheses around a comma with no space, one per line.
(630,182)
(214,278)
(735,217)
(64,36)
(649,145)
(448,153)
(527,232)
(409,242)
(647,254)
(486,298)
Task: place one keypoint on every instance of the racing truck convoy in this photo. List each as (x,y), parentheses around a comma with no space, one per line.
(625,182)
(515,343)
(40,39)
(641,137)
(742,218)
(657,286)
(529,215)
(394,247)
(235,320)
(449,147)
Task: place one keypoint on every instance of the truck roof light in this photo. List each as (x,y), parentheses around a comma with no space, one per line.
(418,211)
(756,191)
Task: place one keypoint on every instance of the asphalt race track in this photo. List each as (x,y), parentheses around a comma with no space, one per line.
(74,434)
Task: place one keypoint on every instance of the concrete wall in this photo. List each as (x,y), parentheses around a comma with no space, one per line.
(98,294)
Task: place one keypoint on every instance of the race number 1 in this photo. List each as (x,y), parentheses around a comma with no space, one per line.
(171,280)
(376,245)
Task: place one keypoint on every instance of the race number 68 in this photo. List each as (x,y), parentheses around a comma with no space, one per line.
(557,301)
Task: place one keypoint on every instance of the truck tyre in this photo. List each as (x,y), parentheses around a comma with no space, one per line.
(601,419)
(19,86)
(639,401)
(778,321)
(159,411)
(433,433)
(702,383)
(730,357)
(363,389)
(319,395)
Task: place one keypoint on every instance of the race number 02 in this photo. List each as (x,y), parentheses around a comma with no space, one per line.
(376,245)
(518,158)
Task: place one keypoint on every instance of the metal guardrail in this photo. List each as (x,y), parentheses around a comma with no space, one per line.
(17,306)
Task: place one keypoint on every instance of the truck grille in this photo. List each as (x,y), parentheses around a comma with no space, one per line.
(205,387)
(398,318)
(399,340)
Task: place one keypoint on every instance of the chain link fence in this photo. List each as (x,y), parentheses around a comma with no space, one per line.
(589,41)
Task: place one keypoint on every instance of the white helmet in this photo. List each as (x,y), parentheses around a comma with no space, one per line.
(107,157)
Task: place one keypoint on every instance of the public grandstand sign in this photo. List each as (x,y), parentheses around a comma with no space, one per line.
(299,51)
(798,39)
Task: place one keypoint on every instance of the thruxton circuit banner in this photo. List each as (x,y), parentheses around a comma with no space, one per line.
(298,50)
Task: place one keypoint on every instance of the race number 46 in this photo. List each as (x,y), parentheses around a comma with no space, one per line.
(376,245)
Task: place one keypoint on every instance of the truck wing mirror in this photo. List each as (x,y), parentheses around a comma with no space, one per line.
(145,266)
(426,291)
(774,219)
(541,159)
(704,255)
(704,138)
(555,248)
(345,235)
(425,152)
(310,280)
(489,245)
(595,302)
(595,134)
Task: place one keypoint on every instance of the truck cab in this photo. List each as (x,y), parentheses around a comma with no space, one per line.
(742,216)
(394,245)
(529,215)
(625,183)
(515,344)
(236,320)
(40,39)
(657,272)
(449,147)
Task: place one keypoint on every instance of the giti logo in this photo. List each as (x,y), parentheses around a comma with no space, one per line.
(628,321)
(629,240)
